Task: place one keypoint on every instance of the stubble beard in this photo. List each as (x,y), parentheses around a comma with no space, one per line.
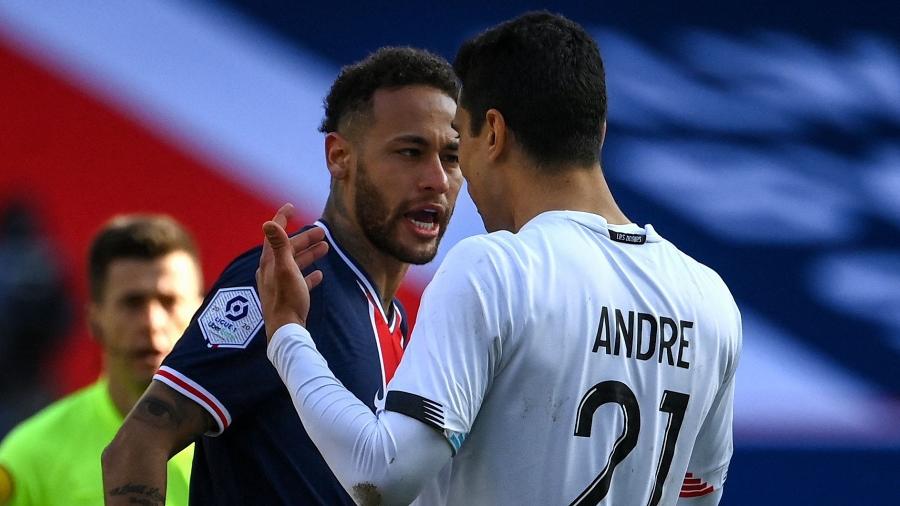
(379,225)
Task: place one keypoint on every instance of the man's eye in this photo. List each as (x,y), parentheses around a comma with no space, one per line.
(133,302)
(167,301)
(452,159)
(409,152)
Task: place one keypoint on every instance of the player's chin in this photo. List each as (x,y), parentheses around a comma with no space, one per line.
(420,255)
(417,245)
(415,250)
(147,364)
(142,375)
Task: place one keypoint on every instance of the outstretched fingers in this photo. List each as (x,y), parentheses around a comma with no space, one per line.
(307,238)
(306,257)
(284,213)
(280,252)
(306,247)
(280,219)
(283,290)
(314,279)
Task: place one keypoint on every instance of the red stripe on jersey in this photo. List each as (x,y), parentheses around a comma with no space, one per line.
(200,395)
(390,342)
(694,487)
(697,493)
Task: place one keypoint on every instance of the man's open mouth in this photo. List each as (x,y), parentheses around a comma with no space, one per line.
(425,218)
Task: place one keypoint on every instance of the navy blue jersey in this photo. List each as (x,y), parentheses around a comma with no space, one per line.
(260,454)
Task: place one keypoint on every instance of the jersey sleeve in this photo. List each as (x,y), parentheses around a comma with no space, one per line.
(713,448)
(456,347)
(389,456)
(220,361)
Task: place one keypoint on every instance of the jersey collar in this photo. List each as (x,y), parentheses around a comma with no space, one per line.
(599,224)
(363,278)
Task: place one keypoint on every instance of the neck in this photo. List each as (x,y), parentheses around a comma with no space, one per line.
(384,270)
(570,189)
(123,394)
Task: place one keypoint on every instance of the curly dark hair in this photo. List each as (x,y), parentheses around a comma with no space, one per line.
(388,67)
(544,73)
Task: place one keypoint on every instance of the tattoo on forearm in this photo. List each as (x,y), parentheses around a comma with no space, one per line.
(143,495)
(159,412)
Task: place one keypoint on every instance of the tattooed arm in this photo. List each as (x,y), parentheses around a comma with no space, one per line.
(161,424)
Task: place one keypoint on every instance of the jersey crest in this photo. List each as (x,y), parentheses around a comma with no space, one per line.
(232,318)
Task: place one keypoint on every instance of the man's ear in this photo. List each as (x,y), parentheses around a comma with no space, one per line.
(92,313)
(602,133)
(338,155)
(498,134)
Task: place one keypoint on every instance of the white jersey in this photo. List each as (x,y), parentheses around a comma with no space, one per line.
(582,363)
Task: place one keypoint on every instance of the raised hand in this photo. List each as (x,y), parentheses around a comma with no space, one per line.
(283,290)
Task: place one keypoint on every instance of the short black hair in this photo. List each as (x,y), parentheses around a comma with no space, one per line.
(136,236)
(544,74)
(388,67)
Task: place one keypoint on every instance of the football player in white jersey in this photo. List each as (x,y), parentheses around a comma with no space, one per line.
(570,356)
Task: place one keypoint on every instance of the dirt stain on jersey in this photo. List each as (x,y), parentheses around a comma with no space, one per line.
(366,494)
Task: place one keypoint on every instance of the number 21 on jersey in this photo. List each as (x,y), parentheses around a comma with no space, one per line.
(674,403)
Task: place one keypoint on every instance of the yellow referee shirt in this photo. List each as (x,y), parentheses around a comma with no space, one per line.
(53,458)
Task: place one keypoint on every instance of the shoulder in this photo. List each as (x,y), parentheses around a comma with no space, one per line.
(717,300)
(231,313)
(486,252)
(43,429)
(58,413)
(241,270)
(706,278)
(719,294)
(484,269)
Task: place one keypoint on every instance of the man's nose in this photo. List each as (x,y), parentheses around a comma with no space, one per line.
(157,321)
(434,177)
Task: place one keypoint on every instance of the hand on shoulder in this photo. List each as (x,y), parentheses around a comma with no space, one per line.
(283,291)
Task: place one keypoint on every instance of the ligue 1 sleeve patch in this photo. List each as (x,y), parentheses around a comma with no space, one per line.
(231,318)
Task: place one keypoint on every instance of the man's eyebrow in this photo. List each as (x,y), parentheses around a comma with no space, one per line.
(134,294)
(411,138)
(421,141)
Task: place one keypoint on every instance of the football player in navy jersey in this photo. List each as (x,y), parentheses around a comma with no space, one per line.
(392,155)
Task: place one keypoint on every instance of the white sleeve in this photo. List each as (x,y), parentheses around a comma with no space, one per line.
(713,448)
(383,459)
(463,328)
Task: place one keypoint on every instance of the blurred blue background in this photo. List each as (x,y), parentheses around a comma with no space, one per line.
(761,139)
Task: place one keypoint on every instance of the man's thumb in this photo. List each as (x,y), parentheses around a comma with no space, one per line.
(275,235)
